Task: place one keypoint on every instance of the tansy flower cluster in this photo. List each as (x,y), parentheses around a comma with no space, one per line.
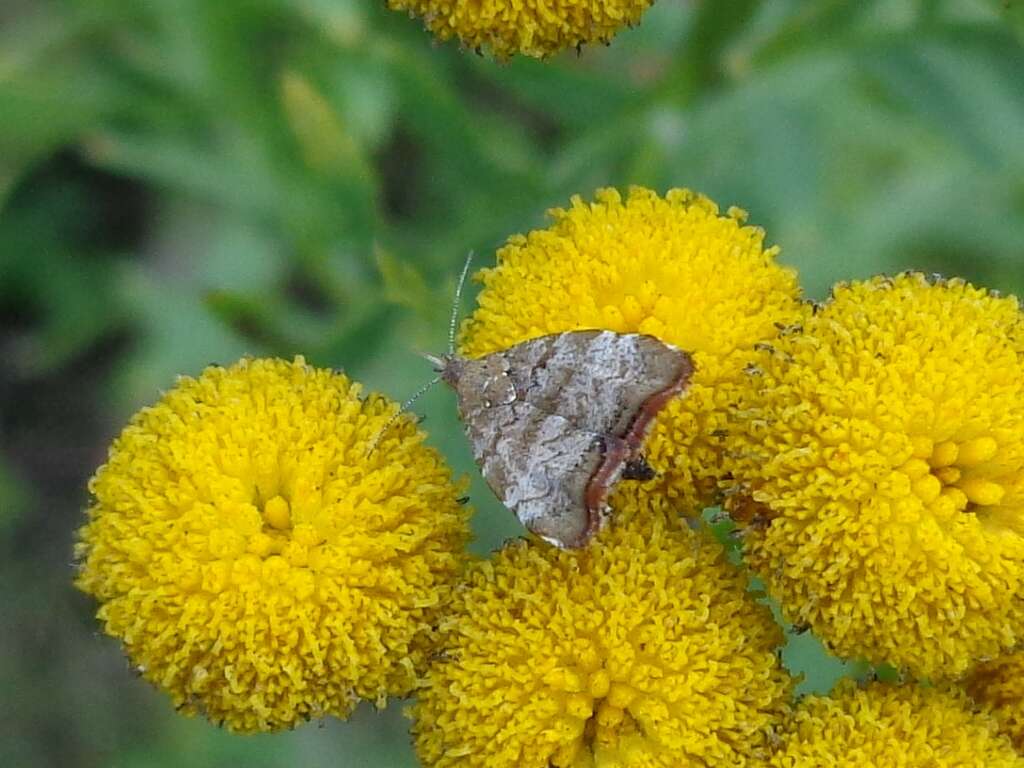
(643,649)
(256,560)
(673,267)
(883,447)
(883,725)
(271,546)
(529,27)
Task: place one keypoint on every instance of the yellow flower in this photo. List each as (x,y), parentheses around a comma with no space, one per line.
(884,725)
(530,27)
(255,562)
(671,267)
(883,450)
(644,649)
(999,685)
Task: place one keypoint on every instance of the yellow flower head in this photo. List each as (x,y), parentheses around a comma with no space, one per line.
(999,686)
(883,446)
(885,725)
(644,649)
(671,267)
(529,27)
(256,562)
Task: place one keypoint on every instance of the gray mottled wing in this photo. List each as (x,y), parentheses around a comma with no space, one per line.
(553,420)
(597,380)
(539,465)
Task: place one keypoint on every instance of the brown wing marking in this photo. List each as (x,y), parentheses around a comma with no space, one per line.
(619,450)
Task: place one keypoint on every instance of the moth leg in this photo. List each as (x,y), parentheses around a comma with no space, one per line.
(611,444)
(637,468)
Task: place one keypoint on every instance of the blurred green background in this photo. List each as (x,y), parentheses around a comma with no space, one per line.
(185,181)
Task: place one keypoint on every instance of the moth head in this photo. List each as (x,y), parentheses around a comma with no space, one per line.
(448,367)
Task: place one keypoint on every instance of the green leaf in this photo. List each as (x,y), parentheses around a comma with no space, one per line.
(327,146)
(1012,14)
(403,283)
(964,82)
(14,499)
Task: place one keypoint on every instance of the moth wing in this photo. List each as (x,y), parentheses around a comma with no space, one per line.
(544,415)
(597,380)
(539,465)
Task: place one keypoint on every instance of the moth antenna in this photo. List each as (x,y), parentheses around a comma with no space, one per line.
(454,320)
(402,409)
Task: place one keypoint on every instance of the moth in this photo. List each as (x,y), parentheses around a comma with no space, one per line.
(556,421)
